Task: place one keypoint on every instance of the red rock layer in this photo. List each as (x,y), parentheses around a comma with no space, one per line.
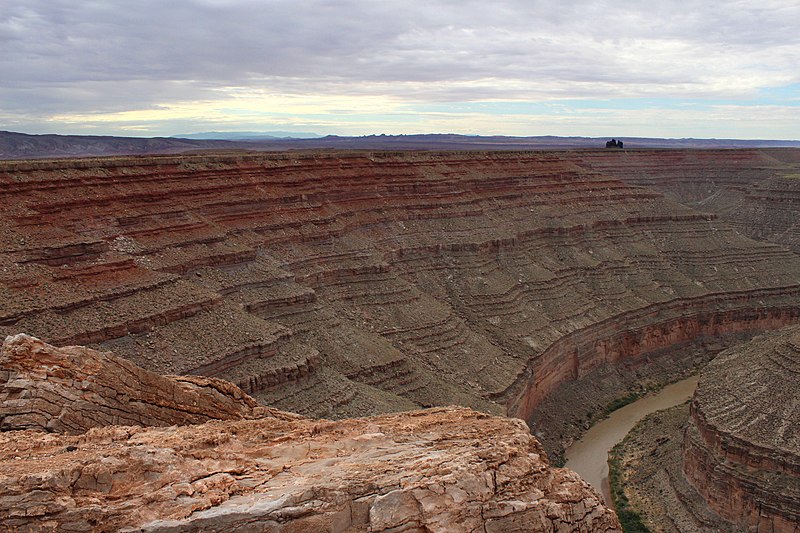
(73,389)
(349,284)
(742,444)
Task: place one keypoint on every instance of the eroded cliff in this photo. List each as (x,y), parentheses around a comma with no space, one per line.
(741,448)
(73,389)
(755,191)
(442,470)
(352,284)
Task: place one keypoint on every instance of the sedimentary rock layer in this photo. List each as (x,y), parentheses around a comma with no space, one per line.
(742,443)
(73,389)
(649,466)
(755,191)
(351,284)
(449,469)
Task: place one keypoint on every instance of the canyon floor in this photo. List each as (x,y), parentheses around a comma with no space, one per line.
(651,468)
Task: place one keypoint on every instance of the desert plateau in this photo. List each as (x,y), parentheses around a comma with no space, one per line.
(347,266)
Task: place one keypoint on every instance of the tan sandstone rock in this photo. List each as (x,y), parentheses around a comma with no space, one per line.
(439,470)
(445,469)
(72,389)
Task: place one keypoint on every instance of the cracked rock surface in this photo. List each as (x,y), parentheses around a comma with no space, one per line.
(444,469)
(72,389)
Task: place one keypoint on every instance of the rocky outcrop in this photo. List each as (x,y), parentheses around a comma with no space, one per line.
(438,470)
(446,469)
(73,389)
(741,449)
(349,284)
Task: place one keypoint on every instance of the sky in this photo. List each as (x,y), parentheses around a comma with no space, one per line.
(705,68)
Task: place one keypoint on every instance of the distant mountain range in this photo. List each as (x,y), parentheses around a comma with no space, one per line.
(248,135)
(23,146)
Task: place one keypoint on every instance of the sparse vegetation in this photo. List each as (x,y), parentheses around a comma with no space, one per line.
(622,402)
(559,459)
(630,519)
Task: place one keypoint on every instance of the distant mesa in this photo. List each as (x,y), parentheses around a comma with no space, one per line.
(23,146)
(613,143)
(247,135)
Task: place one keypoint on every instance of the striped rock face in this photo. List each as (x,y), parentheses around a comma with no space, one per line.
(742,444)
(351,284)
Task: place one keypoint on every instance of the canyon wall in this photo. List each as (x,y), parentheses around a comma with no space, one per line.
(350,284)
(741,448)
(440,470)
(755,191)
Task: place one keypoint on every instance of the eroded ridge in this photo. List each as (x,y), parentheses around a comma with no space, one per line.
(742,443)
(440,470)
(755,191)
(350,284)
(73,389)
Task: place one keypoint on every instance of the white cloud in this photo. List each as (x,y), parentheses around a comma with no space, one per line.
(118,62)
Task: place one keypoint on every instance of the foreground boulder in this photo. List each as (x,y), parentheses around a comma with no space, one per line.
(72,389)
(445,469)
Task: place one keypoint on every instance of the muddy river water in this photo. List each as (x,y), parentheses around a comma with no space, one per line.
(589,455)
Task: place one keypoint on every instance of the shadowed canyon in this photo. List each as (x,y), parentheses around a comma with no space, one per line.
(535,285)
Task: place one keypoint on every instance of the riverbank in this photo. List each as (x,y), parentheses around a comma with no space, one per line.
(589,455)
(647,478)
(576,406)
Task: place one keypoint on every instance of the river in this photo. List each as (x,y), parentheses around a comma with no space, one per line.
(589,455)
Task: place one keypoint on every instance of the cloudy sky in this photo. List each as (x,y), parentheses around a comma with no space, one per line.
(705,68)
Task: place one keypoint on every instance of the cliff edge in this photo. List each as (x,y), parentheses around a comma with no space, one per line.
(444,469)
(73,389)
(742,442)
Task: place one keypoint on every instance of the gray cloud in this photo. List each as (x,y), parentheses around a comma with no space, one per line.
(62,56)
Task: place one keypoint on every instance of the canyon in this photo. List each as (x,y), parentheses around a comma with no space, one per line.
(536,285)
(727,460)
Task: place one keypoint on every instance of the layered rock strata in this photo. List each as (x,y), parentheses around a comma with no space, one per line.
(73,389)
(440,470)
(356,283)
(755,191)
(648,464)
(741,448)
